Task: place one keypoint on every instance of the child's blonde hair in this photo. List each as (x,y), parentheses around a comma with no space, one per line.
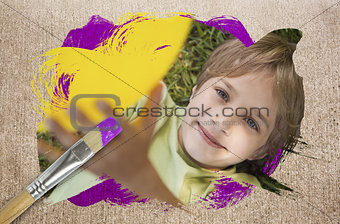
(270,54)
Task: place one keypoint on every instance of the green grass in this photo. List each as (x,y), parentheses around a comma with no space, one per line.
(51,139)
(184,73)
(43,162)
(291,35)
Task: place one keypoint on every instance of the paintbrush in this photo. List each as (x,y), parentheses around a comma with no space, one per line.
(72,159)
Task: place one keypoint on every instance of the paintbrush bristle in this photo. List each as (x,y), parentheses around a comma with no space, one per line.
(104,132)
(93,140)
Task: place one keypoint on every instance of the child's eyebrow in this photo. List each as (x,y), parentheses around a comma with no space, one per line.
(230,87)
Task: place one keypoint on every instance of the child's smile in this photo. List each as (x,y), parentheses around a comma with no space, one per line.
(235,129)
(208,138)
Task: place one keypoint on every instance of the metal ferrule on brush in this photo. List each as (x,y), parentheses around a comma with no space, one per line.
(71,160)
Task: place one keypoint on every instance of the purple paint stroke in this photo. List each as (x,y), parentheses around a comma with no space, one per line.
(117,28)
(123,33)
(62,90)
(109,128)
(109,191)
(105,176)
(272,163)
(229,24)
(91,35)
(161,47)
(228,193)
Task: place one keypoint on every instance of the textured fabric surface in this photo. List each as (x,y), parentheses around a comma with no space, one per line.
(28,29)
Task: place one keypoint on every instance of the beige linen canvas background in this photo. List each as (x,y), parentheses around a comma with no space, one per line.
(29,28)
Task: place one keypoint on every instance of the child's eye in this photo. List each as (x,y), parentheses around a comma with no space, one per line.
(222,94)
(251,123)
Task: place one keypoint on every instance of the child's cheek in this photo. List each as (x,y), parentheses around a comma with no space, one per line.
(240,142)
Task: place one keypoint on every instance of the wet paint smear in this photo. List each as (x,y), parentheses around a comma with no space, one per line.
(62,90)
(109,128)
(95,33)
(161,47)
(91,35)
(109,191)
(272,163)
(228,192)
(229,24)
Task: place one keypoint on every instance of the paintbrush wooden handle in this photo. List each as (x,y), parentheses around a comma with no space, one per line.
(73,158)
(16,206)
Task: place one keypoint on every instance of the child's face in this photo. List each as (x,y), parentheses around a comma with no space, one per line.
(239,134)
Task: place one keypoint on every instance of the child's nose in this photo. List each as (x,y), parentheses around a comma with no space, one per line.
(225,122)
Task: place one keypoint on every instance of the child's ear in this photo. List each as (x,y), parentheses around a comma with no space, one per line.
(193,92)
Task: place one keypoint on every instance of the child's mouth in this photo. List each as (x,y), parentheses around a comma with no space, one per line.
(208,138)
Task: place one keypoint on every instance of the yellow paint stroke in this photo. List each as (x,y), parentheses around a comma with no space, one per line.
(128,71)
